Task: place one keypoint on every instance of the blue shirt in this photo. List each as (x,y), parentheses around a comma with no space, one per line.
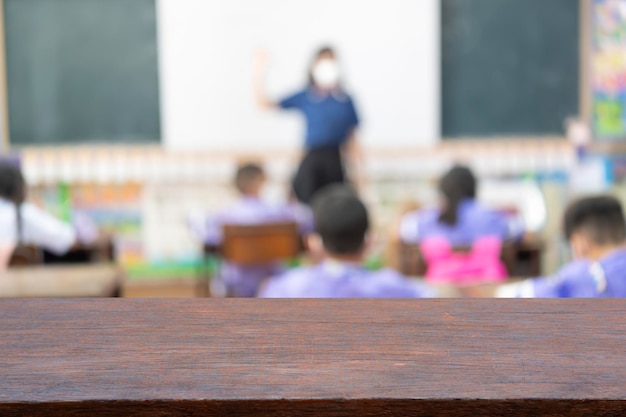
(330,118)
(473,222)
(339,280)
(579,279)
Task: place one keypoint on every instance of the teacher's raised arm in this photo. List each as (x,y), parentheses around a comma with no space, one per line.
(331,124)
(260,72)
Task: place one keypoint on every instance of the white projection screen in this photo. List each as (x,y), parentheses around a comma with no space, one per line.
(389,51)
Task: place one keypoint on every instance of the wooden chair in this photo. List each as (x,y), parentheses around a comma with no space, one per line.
(253,245)
(101,251)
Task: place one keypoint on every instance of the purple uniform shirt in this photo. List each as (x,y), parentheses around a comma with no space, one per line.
(243,281)
(339,280)
(579,279)
(474,221)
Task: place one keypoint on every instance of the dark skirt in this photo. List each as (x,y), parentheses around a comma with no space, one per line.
(319,168)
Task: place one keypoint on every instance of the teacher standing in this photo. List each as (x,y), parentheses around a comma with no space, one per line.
(331,145)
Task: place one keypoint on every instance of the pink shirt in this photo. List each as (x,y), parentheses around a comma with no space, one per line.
(480,265)
(479,227)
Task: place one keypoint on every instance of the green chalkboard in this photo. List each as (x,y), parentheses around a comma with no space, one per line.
(82,71)
(509,67)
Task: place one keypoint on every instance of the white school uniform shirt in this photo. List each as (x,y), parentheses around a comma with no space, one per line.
(38,228)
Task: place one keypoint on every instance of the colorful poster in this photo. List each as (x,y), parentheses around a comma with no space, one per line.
(115,208)
(609,69)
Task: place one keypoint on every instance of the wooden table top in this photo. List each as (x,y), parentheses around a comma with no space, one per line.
(313,357)
(96,280)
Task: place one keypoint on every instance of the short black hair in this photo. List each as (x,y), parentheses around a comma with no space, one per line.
(12,186)
(600,218)
(341,219)
(13,189)
(457,185)
(246,175)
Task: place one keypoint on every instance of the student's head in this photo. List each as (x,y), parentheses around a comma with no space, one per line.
(250,179)
(324,72)
(595,226)
(341,222)
(456,186)
(12,185)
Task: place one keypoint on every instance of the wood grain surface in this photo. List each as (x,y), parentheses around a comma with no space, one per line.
(312,358)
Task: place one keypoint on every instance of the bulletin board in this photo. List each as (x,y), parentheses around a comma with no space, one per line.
(608,63)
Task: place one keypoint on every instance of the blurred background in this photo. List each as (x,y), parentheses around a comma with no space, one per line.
(137,112)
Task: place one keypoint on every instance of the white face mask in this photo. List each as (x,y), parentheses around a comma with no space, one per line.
(326,73)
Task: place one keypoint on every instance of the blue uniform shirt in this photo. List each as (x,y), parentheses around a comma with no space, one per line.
(330,118)
(579,279)
(339,280)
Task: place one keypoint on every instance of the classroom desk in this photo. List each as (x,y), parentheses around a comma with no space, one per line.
(102,280)
(101,251)
(97,252)
(313,358)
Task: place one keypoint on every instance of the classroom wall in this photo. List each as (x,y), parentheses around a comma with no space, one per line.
(389,50)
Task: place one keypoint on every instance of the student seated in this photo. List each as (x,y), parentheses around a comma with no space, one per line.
(596,230)
(22,223)
(342,224)
(459,222)
(250,209)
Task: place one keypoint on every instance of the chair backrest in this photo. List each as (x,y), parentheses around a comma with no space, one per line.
(26,255)
(411,261)
(260,244)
